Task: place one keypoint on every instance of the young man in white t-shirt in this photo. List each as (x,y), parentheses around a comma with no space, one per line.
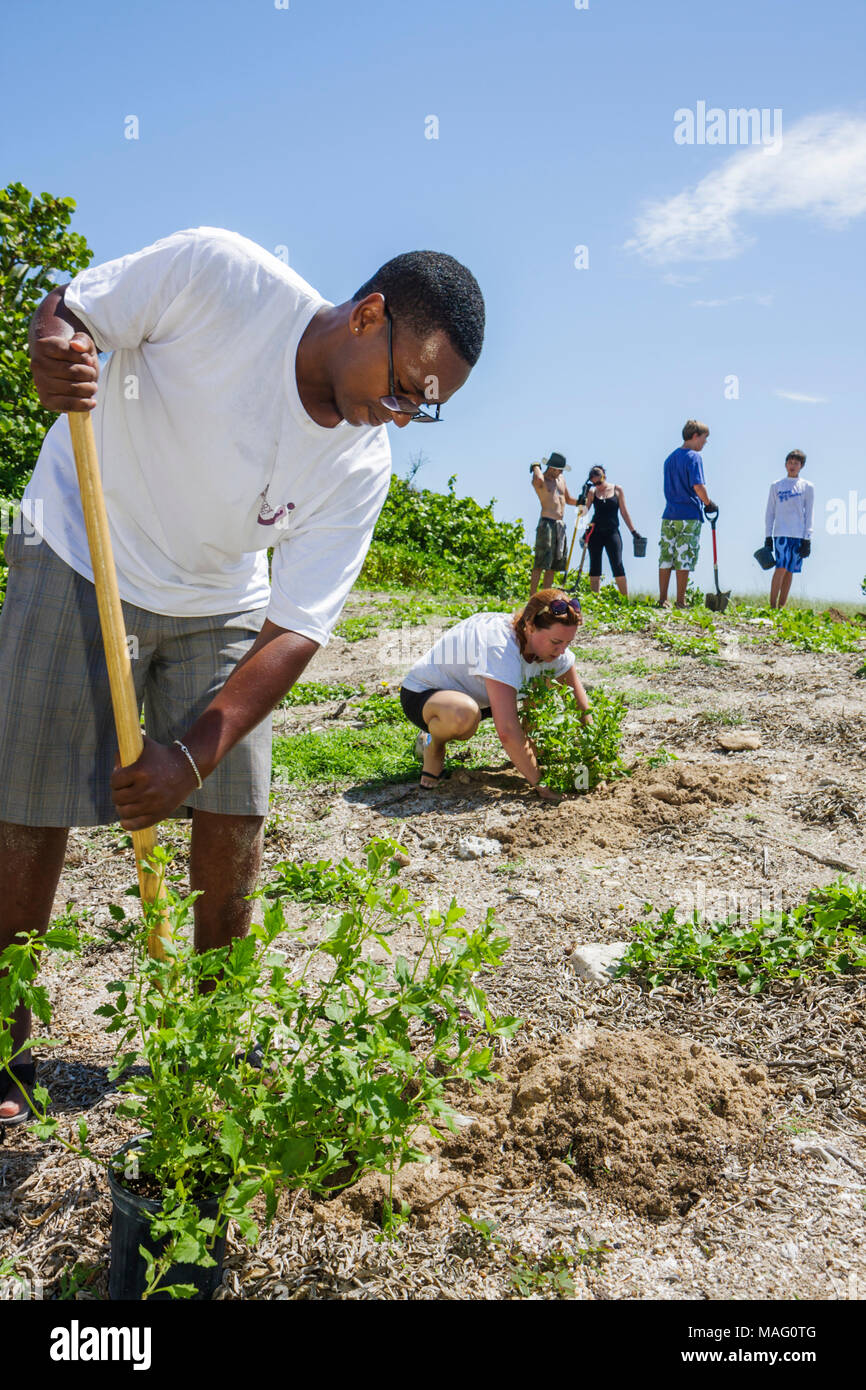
(239,412)
(788,526)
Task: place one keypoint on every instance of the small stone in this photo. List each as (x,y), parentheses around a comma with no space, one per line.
(402,859)
(738,743)
(429,842)
(477,847)
(595,962)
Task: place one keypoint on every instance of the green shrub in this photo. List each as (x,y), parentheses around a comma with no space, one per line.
(355,1057)
(482,554)
(573,756)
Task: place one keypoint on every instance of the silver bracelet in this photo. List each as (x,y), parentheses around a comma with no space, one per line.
(183,748)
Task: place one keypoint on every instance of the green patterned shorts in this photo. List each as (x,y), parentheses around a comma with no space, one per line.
(679,545)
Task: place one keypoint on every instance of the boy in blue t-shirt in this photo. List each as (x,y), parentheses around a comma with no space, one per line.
(686,497)
(788,524)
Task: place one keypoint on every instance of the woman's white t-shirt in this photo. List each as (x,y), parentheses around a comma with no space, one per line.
(483,647)
(208,457)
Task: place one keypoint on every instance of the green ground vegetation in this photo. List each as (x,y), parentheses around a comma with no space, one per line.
(825,935)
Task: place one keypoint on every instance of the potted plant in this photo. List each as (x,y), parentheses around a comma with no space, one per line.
(252,1077)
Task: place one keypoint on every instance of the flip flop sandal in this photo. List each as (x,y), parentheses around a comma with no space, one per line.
(436,777)
(24,1075)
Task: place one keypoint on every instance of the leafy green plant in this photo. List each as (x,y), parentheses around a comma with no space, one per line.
(35,243)
(79,1276)
(660,757)
(314,881)
(19,965)
(356,629)
(809,631)
(475,551)
(825,935)
(319,693)
(573,756)
(354,1057)
(550,1275)
(380,708)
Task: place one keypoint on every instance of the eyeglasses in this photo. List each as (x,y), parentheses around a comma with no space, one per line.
(402,405)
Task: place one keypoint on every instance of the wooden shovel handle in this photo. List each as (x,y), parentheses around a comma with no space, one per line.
(123,698)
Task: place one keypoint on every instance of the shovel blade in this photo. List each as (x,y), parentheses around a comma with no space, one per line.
(717,603)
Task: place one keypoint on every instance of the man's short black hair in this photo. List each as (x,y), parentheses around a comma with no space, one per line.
(428,290)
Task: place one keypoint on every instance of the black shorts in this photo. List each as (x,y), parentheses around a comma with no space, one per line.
(612,543)
(413,702)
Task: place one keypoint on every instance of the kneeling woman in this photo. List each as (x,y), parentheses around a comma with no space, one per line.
(475,672)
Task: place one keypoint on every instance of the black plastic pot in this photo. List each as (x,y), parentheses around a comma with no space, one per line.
(639,546)
(130,1228)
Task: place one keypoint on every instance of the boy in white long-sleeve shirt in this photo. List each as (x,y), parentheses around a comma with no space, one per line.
(788,526)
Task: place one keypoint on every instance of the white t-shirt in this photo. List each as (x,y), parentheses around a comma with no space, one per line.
(790,506)
(481,647)
(208,457)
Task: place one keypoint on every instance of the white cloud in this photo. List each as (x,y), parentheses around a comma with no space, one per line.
(765,300)
(798,396)
(819,170)
(669,278)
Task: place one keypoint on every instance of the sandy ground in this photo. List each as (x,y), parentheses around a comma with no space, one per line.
(765,1202)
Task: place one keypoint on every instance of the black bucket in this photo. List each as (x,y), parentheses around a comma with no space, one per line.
(130,1228)
(639,546)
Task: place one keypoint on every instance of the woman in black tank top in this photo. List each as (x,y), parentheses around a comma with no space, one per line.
(607,501)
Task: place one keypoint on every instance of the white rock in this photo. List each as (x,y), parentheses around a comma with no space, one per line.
(595,961)
(477,847)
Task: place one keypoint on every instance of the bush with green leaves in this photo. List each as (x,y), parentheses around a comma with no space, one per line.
(35,244)
(313,881)
(19,966)
(825,935)
(481,554)
(573,755)
(354,1056)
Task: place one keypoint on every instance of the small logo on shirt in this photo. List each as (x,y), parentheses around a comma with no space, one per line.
(274,516)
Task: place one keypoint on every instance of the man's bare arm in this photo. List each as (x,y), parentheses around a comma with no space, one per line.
(704,496)
(63,356)
(162,778)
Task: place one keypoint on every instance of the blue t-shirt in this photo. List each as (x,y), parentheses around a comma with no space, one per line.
(683,468)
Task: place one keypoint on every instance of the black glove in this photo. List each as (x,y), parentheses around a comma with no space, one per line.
(805,549)
(768,542)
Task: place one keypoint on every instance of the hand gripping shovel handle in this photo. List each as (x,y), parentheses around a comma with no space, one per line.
(123,699)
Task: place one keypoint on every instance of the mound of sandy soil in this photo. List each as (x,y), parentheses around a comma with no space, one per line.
(647,1118)
(621,813)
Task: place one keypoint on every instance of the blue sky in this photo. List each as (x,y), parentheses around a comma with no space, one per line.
(305,127)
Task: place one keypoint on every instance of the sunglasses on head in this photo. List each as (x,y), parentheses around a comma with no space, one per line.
(560,607)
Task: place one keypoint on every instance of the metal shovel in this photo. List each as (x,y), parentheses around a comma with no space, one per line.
(718,601)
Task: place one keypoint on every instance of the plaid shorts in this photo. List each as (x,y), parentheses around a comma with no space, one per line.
(57,736)
(679,545)
(551,544)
